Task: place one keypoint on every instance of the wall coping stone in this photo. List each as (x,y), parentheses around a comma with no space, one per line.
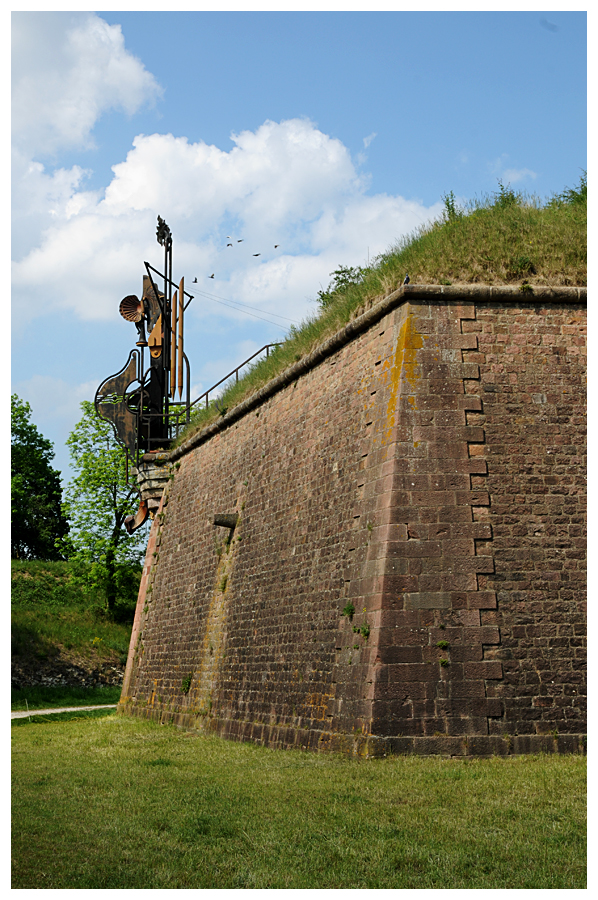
(484,293)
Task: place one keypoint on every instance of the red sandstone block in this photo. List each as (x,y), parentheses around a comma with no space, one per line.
(448,434)
(479,564)
(410,691)
(439,531)
(427,600)
(485,634)
(396,584)
(472,725)
(422,672)
(443,387)
(404,621)
(428,514)
(436,727)
(420,531)
(424,709)
(461,311)
(405,482)
(474,498)
(465,653)
(458,547)
(476,464)
(492,706)
(459,583)
(483,670)
(406,654)
(454,514)
(432,498)
(474,356)
(391,634)
(429,583)
(465,341)
(457,481)
(471,530)
(397,565)
(385,533)
(406,549)
(471,689)
(466,617)
(399,434)
(481,600)
(455,454)
(420,465)
(470,402)
(419,401)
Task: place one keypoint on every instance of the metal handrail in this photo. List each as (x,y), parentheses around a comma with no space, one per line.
(235,372)
(178,415)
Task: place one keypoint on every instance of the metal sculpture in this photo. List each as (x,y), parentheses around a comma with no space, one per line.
(141,402)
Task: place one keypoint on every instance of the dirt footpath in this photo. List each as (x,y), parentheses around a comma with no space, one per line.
(23,714)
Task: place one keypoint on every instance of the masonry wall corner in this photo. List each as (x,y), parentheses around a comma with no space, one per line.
(407,569)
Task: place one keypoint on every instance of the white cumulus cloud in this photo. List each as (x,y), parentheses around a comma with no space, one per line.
(68,69)
(513,175)
(508,175)
(285,183)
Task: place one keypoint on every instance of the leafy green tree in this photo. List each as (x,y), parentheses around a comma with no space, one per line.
(343,278)
(37,519)
(97,501)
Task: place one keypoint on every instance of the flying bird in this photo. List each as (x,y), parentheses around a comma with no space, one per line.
(195,281)
(406,279)
(229,245)
(276,245)
(240,241)
(257,254)
(212,275)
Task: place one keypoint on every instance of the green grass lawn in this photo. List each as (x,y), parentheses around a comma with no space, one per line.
(42,631)
(55,622)
(120,803)
(54,696)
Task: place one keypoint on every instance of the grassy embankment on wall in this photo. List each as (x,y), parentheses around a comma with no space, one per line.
(123,803)
(58,620)
(507,239)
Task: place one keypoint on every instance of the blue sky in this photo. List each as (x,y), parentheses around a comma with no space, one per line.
(331,134)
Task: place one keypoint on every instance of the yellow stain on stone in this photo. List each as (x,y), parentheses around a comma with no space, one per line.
(316,704)
(213,644)
(404,366)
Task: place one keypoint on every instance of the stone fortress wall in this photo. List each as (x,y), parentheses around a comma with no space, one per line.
(425,469)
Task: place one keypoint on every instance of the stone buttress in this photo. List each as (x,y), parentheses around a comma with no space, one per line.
(371,592)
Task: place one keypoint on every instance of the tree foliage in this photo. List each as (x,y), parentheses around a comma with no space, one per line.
(577,196)
(343,278)
(97,501)
(37,520)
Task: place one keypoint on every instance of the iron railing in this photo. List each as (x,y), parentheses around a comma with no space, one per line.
(205,396)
